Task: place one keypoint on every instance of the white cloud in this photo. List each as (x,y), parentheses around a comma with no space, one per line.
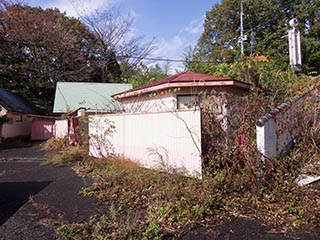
(73,7)
(169,48)
(195,27)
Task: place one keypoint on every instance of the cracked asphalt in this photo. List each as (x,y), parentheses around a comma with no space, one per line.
(34,199)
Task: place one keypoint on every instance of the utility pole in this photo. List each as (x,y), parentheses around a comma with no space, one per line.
(241,27)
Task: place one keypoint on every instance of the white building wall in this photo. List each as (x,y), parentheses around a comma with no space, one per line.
(162,102)
(166,141)
(61,128)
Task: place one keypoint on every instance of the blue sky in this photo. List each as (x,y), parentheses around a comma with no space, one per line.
(174,24)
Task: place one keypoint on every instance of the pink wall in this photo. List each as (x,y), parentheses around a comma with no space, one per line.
(43,129)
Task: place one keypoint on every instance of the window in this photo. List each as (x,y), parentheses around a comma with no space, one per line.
(187,101)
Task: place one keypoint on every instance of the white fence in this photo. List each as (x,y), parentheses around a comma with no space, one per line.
(277,130)
(165,141)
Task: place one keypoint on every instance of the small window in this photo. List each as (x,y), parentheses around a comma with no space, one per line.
(187,101)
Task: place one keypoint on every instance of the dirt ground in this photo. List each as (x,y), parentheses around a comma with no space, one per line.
(34,199)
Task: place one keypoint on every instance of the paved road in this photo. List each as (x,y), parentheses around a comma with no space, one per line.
(33,197)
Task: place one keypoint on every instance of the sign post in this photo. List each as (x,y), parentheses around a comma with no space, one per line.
(294,46)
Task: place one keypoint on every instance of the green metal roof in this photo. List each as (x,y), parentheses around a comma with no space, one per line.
(96,97)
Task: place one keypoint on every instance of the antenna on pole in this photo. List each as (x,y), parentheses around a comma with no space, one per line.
(241,27)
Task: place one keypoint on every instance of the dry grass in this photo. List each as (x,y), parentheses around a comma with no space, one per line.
(54,145)
(146,204)
(59,153)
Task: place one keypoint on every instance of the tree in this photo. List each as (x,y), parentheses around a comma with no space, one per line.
(145,74)
(40,47)
(265,25)
(118,50)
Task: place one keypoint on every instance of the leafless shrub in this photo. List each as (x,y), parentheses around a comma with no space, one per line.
(228,136)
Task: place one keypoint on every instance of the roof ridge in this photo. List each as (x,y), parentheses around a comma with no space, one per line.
(177,78)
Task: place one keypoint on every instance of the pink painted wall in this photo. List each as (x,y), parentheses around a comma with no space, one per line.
(43,129)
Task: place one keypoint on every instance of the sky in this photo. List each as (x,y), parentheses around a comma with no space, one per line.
(173,24)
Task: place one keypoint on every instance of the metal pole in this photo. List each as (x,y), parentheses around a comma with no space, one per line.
(241,27)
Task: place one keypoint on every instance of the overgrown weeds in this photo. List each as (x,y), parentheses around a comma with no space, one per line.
(146,204)
(60,153)
(228,137)
(54,145)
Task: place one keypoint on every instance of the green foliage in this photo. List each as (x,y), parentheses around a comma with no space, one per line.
(265,24)
(145,75)
(40,47)
(270,76)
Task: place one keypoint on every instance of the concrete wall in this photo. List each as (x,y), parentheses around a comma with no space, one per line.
(278,130)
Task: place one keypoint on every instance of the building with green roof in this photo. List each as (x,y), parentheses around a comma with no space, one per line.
(93,97)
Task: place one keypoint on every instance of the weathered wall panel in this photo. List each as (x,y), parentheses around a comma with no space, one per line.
(16,129)
(43,129)
(167,141)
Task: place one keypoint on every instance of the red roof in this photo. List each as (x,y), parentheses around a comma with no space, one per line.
(188,76)
(183,78)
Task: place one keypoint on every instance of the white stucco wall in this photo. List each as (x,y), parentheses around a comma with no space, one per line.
(166,100)
(278,130)
(150,103)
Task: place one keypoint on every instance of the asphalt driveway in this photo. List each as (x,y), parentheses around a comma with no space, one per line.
(34,198)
